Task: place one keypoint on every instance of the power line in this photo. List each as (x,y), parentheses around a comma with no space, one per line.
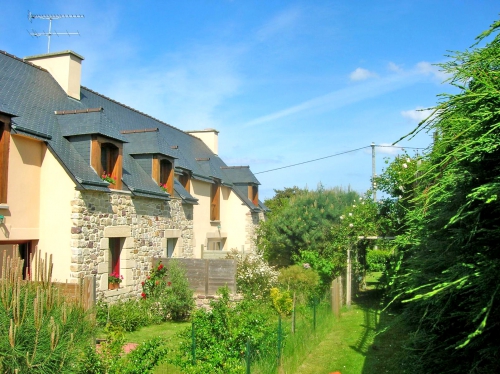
(334,155)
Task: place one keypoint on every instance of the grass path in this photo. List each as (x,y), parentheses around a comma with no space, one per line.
(353,346)
(344,348)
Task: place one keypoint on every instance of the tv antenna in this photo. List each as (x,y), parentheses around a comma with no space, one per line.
(50,17)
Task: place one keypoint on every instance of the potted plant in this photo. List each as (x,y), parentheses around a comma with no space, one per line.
(164,187)
(114,280)
(107,178)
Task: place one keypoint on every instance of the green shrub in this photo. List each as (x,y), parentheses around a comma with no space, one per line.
(254,276)
(167,294)
(301,280)
(111,359)
(376,259)
(176,298)
(130,314)
(222,334)
(145,357)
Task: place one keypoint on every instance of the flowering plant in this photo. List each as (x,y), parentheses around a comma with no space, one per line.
(154,282)
(114,277)
(107,178)
(164,187)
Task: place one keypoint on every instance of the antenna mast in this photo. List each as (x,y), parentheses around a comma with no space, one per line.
(50,17)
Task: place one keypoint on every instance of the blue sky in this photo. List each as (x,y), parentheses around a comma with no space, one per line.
(283,81)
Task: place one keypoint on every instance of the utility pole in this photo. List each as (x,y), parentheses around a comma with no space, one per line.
(50,17)
(374,174)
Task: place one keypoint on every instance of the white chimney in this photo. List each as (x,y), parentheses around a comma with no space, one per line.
(65,67)
(208,136)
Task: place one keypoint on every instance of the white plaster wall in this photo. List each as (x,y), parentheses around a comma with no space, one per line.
(57,190)
(201,215)
(233,220)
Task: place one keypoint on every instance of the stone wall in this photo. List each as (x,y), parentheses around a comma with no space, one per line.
(252,223)
(142,226)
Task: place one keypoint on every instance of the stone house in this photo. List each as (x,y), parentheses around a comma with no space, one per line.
(105,188)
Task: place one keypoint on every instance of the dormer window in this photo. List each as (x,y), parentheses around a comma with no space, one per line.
(163,173)
(185,180)
(253,195)
(215,202)
(4,156)
(106,158)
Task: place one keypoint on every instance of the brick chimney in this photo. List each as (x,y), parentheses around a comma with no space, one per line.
(208,136)
(65,67)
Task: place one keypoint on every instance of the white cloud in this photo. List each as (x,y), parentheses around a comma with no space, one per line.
(342,97)
(417,115)
(361,74)
(277,25)
(426,68)
(394,67)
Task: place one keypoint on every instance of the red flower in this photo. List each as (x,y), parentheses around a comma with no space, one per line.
(142,283)
(143,295)
(157,283)
(169,283)
(160,267)
(149,277)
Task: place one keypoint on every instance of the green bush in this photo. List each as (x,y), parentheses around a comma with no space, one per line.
(130,314)
(111,359)
(301,280)
(176,298)
(167,292)
(222,334)
(254,276)
(377,259)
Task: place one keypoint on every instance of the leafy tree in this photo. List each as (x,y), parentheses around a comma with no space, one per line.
(451,272)
(301,232)
(281,198)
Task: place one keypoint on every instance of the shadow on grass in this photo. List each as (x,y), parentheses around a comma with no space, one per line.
(369,302)
(383,334)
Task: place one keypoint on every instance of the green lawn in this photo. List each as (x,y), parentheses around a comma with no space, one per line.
(166,330)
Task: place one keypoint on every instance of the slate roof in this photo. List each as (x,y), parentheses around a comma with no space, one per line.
(240,174)
(43,111)
(93,121)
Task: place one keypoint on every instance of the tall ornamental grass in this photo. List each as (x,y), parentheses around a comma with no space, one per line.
(40,331)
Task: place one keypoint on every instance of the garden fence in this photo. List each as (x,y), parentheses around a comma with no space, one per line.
(83,292)
(206,276)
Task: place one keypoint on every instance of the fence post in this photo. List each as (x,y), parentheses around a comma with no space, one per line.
(206,276)
(248,356)
(193,344)
(279,340)
(314,314)
(293,314)
(335,297)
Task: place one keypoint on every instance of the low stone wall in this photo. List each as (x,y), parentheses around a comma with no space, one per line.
(204,301)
